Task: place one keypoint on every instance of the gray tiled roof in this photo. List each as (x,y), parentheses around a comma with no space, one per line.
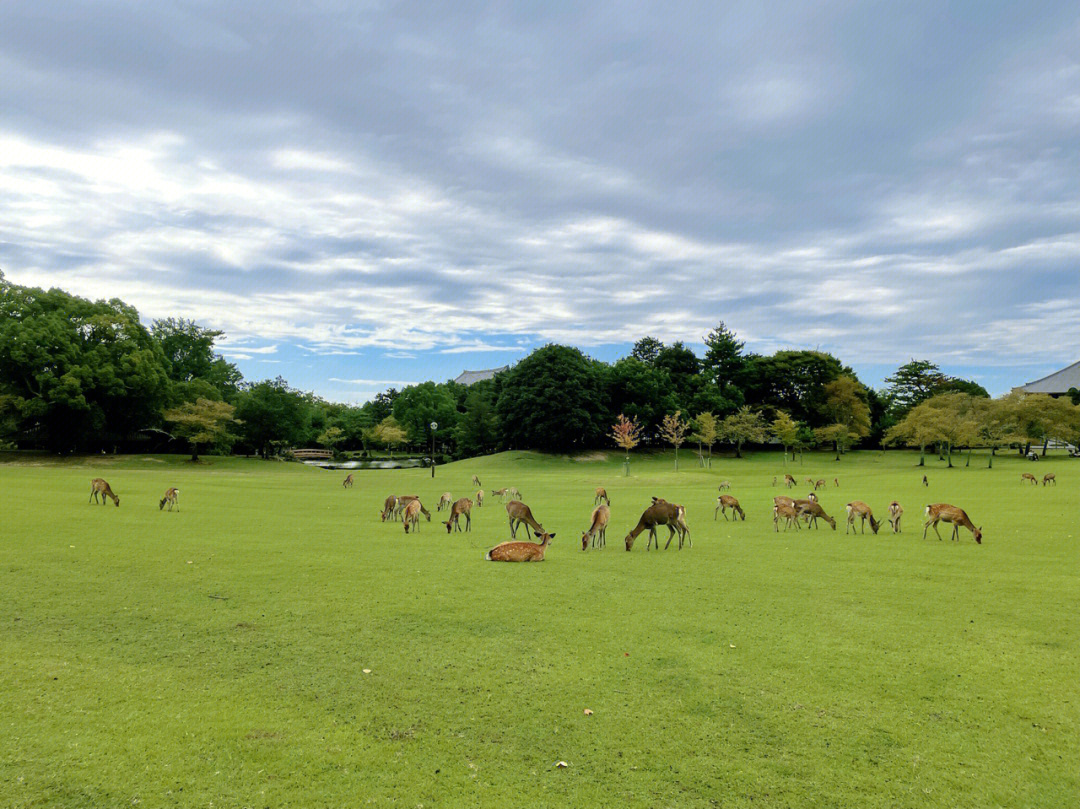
(469,377)
(1057,382)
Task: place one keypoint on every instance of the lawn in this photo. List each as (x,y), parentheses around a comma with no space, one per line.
(274,644)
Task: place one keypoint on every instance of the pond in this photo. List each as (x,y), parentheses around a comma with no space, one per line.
(404,463)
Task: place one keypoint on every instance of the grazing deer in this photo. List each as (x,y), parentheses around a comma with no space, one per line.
(896,511)
(857,508)
(836,482)
(789,481)
(444,502)
(403,501)
(783,500)
(1049,477)
(389,510)
(925,482)
(462,506)
(170,498)
(99,486)
(601,496)
(660,512)
(942,512)
(810,482)
(786,512)
(810,510)
(347,483)
(411,516)
(476,481)
(1027,476)
(597,528)
(724,484)
(520,513)
(479,498)
(726,501)
(501,493)
(521,551)
(819,484)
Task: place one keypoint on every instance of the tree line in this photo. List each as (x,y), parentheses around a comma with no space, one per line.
(79,375)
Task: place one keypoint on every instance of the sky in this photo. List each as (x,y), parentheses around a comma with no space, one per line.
(366,194)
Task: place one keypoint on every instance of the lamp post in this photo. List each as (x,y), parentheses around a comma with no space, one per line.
(434,426)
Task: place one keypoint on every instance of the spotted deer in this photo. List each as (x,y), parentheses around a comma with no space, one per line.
(857,508)
(171,498)
(726,501)
(896,511)
(99,487)
(521,551)
(461,507)
(597,532)
(943,512)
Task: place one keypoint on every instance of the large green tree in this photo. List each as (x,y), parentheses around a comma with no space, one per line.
(79,373)
(190,360)
(793,381)
(724,363)
(417,406)
(272,415)
(640,391)
(201,423)
(552,400)
(477,429)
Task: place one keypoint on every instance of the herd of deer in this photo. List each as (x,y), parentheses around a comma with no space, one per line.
(808,510)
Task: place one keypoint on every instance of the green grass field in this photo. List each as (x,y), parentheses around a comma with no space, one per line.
(216,656)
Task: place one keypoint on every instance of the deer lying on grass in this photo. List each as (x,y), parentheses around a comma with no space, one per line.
(601,496)
(597,528)
(785,511)
(462,506)
(1027,476)
(520,551)
(411,516)
(857,508)
(1049,477)
(809,510)
(943,512)
(661,512)
(445,501)
(99,486)
(479,498)
(347,483)
(896,511)
(726,501)
(170,498)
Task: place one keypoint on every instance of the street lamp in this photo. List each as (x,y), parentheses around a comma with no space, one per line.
(434,426)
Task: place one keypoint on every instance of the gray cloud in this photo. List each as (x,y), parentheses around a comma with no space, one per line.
(882,182)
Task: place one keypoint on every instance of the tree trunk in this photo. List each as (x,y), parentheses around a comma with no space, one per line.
(738,449)
(194,453)
(676,459)
(922,456)
(968,461)
(1046,443)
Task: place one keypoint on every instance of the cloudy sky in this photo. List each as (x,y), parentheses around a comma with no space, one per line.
(370,194)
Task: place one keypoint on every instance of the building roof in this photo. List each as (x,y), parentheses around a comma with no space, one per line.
(1058,382)
(469,377)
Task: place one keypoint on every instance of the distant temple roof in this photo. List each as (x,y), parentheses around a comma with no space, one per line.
(469,377)
(1057,383)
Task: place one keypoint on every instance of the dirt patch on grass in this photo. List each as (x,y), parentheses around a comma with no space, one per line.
(590,457)
(258,733)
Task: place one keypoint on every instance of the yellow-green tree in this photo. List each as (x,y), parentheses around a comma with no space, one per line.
(846,407)
(673,430)
(786,430)
(741,427)
(707,431)
(201,423)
